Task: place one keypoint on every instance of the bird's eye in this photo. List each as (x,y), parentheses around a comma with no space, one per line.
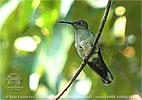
(79,23)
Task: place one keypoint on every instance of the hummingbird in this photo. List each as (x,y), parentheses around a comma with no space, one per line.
(84,40)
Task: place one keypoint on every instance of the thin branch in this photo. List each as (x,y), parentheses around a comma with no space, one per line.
(71,81)
(91,52)
(100,29)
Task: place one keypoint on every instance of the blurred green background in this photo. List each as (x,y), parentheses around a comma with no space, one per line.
(38,56)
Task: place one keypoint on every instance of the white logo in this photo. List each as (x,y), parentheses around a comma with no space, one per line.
(13,82)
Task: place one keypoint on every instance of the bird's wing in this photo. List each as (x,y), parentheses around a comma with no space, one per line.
(92,34)
(97,64)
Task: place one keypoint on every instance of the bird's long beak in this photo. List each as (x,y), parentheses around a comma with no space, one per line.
(65,22)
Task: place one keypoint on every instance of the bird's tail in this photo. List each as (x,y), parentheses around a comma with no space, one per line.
(97,64)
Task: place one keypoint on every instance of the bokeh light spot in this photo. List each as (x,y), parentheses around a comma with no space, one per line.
(84,86)
(26,43)
(129,52)
(35,4)
(119,28)
(33,82)
(65,6)
(97,3)
(39,22)
(120,10)
(131,39)
(45,31)
(37,39)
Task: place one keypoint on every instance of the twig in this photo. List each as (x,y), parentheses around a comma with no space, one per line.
(100,29)
(88,56)
(71,81)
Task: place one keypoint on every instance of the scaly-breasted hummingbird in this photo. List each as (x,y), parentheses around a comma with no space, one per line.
(83,42)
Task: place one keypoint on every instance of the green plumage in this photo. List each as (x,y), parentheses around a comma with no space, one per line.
(83,42)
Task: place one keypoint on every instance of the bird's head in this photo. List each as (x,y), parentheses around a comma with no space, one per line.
(78,24)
